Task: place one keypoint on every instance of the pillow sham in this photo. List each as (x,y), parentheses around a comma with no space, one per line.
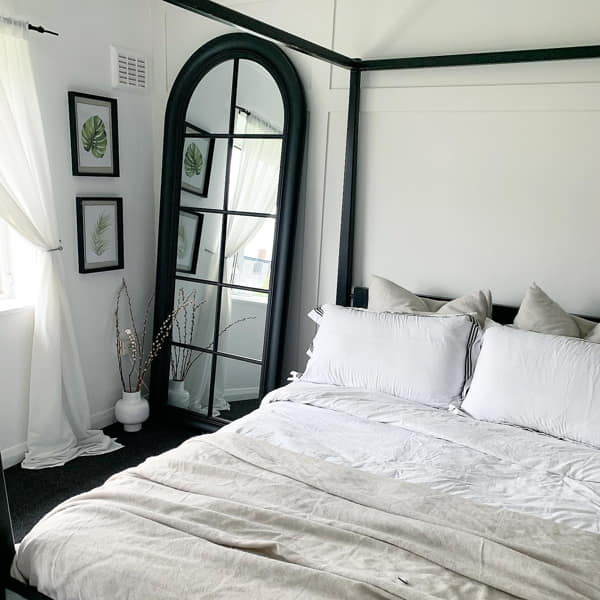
(544,382)
(385,295)
(538,312)
(424,358)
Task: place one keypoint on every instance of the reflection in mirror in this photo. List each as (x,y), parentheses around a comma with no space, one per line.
(194,323)
(204,173)
(189,380)
(210,102)
(198,244)
(259,100)
(244,314)
(237,387)
(254,177)
(249,251)
(197,160)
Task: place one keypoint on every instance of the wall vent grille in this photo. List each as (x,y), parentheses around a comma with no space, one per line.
(130,69)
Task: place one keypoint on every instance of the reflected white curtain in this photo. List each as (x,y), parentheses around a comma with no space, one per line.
(59,414)
(255,191)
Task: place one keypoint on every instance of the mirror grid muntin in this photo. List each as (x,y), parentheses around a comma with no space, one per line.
(218,356)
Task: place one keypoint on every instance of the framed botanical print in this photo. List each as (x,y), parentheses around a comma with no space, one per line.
(100,234)
(94,135)
(197,160)
(188,240)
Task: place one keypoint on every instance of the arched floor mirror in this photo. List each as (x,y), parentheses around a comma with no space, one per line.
(233,147)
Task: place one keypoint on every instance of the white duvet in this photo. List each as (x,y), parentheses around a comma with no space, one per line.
(228,516)
(497,465)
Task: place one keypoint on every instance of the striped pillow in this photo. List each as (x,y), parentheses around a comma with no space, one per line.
(425,358)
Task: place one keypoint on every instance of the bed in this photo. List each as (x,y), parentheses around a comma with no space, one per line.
(334,493)
(330,491)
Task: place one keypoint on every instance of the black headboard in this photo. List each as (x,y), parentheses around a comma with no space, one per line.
(500,313)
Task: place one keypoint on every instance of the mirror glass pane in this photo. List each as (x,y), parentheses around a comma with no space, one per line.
(259,101)
(194,323)
(249,250)
(254,175)
(210,103)
(243,317)
(203,172)
(237,388)
(189,379)
(198,244)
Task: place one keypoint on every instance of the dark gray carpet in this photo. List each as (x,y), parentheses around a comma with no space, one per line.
(33,493)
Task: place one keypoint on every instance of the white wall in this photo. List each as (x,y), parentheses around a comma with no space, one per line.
(79,60)
(178,33)
(480,176)
(16,327)
(468,177)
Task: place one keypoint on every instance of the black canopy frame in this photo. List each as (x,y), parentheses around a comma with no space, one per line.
(356,66)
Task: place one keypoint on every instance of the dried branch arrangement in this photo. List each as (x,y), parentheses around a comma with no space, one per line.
(133,358)
(184,325)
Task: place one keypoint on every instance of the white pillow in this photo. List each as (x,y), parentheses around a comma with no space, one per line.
(385,295)
(544,382)
(425,358)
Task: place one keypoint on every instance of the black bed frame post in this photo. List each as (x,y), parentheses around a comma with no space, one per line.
(7,543)
(346,252)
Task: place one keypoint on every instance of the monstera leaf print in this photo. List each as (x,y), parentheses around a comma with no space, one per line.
(193,160)
(93,136)
(100,242)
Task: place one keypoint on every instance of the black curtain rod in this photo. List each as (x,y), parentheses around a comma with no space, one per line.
(40,29)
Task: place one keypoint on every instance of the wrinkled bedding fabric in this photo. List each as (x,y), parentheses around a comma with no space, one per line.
(498,465)
(262,515)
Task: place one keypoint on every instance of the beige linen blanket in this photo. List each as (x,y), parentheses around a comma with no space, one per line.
(226,517)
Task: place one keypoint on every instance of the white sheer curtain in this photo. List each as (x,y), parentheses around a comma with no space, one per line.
(59,415)
(255,191)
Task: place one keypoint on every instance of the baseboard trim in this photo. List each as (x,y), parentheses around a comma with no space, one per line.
(15,454)
(241,393)
(104,418)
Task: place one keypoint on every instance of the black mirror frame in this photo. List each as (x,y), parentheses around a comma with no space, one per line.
(275,61)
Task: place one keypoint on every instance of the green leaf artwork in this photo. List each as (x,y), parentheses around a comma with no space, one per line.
(181,242)
(193,160)
(100,241)
(93,136)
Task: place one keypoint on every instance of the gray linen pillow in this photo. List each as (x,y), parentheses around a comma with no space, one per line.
(387,296)
(538,312)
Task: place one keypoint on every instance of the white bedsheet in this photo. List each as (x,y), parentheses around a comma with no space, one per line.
(496,465)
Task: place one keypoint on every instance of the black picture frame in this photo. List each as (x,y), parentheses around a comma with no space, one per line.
(193,263)
(83,238)
(107,106)
(201,137)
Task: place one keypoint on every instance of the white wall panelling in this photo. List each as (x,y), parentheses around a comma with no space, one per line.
(467,176)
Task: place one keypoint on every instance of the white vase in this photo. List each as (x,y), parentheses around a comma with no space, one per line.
(177,394)
(132,410)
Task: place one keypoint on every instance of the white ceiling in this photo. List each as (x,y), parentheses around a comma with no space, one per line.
(390,28)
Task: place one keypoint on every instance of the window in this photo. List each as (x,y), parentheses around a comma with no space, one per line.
(18,269)
(6,283)
(252,263)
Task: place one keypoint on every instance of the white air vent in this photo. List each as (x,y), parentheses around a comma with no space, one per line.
(129,68)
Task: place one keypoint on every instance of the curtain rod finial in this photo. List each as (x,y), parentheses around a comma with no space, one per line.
(41,29)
